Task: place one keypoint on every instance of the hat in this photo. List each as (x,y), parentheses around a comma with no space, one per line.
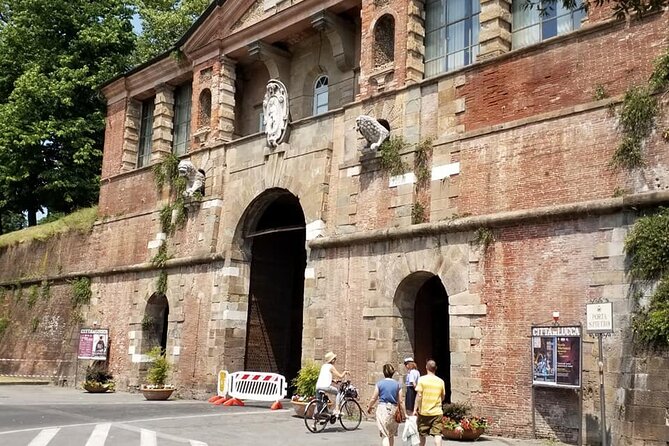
(330,356)
(407,360)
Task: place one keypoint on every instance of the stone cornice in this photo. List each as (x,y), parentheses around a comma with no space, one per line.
(497,220)
(583,209)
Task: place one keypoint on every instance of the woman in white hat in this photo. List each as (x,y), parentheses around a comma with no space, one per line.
(411,379)
(327,375)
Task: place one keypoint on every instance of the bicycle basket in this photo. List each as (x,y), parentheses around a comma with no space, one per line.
(351,392)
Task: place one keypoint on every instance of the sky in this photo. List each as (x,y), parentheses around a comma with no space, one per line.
(137,24)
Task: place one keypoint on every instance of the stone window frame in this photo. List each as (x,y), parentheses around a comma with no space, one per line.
(181,126)
(538,23)
(321,90)
(438,62)
(145,141)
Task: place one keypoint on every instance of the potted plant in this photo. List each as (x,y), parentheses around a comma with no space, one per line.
(459,424)
(156,376)
(98,378)
(305,387)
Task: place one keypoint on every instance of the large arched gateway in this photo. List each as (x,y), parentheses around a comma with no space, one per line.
(274,243)
(423,304)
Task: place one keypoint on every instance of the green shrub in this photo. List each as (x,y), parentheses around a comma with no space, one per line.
(305,381)
(456,411)
(158,368)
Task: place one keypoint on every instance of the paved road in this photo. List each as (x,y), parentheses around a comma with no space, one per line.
(54,416)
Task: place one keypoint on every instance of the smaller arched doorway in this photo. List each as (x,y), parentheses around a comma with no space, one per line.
(154,323)
(423,304)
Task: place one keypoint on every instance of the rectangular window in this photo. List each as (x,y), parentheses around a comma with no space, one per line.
(145,133)
(451,34)
(182,111)
(530,26)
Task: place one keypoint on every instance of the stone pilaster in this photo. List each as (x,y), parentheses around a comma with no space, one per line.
(226,101)
(495,36)
(415,42)
(133,112)
(163,122)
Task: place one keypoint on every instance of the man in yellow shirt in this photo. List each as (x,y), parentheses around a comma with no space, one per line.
(430,392)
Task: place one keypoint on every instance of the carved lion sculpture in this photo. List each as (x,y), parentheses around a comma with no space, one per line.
(194,178)
(372,130)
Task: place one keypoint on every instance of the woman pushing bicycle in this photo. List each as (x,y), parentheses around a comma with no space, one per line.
(327,375)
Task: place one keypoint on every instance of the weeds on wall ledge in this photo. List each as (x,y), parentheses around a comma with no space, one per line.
(483,237)
(638,115)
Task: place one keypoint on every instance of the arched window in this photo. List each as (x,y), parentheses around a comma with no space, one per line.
(204,118)
(384,40)
(451,34)
(321,95)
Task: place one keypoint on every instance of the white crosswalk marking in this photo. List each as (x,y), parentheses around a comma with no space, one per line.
(44,437)
(99,435)
(148,438)
(197,443)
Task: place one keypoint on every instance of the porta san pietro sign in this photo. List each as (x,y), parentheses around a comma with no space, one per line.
(599,317)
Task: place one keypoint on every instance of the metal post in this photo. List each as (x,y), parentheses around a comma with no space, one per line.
(602,402)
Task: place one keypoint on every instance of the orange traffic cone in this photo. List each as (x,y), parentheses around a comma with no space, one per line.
(233,402)
(221,401)
(276,405)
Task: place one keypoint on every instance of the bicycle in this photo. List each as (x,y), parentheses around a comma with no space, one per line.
(350,413)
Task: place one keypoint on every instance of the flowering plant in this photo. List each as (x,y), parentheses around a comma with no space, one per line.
(457,418)
(465,423)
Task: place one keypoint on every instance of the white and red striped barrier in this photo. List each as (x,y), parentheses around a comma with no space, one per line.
(253,386)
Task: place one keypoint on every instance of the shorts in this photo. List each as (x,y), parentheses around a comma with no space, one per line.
(431,425)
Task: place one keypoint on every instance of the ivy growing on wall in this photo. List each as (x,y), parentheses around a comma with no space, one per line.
(391,155)
(81,292)
(33,294)
(172,214)
(4,324)
(638,115)
(647,245)
(422,160)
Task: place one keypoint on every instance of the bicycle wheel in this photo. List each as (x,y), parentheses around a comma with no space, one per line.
(351,414)
(318,420)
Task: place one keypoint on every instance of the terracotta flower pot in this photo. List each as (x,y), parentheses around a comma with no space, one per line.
(157,394)
(299,407)
(462,434)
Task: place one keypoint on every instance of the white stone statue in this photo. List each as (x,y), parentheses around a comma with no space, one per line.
(372,130)
(194,178)
(275,112)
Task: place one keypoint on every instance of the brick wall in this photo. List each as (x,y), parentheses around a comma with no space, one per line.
(113,148)
(555,75)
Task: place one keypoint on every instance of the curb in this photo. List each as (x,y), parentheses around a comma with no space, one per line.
(24,383)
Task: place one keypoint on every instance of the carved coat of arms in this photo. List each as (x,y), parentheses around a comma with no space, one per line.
(275,112)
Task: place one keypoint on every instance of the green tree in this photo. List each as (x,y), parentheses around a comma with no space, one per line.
(53,56)
(164,22)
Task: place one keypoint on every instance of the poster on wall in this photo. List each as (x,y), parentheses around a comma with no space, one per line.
(93,343)
(556,356)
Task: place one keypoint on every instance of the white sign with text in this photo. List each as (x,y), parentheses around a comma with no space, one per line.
(599,317)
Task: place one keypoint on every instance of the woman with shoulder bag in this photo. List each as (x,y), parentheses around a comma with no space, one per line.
(389,411)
